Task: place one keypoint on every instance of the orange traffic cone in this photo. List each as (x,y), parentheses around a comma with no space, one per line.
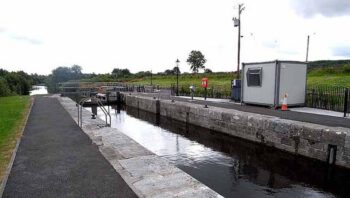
(284,103)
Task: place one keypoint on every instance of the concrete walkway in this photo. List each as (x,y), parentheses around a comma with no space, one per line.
(289,115)
(319,112)
(57,159)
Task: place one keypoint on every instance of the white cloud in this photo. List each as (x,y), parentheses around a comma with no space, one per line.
(26,39)
(151,35)
(329,8)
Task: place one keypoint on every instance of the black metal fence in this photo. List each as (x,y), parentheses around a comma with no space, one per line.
(321,97)
(329,98)
(212,91)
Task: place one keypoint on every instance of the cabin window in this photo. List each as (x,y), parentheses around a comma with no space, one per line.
(254,77)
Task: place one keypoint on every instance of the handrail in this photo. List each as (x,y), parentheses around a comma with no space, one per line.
(107,114)
(78,105)
(99,103)
(81,103)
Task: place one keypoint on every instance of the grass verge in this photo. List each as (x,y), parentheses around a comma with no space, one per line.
(336,80)
(13,113)
(223,80)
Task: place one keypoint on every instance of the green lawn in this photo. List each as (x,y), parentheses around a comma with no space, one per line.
(215,79)
(13,111)
(222,80)
(219,82)
(342,80)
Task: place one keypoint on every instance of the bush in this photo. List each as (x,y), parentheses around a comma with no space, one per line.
(14,83)
(346,69)
(4,88)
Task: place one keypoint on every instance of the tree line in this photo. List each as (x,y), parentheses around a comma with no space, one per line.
(18,83)
(196,60)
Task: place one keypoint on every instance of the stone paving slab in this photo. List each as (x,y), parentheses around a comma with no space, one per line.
(157,178)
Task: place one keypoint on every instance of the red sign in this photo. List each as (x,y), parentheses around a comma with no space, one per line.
(204,82)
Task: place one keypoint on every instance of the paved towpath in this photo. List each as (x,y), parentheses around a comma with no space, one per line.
(290,115)
(57,159)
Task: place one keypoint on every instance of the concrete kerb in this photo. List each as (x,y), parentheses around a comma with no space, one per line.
(9,167)
(301,138)
(147,174)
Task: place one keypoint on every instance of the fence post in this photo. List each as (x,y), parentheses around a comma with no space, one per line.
(172,89)
(346,101)
(313,98)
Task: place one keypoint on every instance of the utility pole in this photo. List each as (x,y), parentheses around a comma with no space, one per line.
(237,23)
(151,78)
(307,48)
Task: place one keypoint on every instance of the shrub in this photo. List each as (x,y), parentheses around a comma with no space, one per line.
(346,69)
(4,88)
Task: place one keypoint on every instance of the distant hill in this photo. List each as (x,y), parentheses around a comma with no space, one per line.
(328,63)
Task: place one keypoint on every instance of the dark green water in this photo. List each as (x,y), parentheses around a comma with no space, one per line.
(231,166)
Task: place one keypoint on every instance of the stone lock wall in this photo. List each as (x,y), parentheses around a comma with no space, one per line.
(310,140)
(144,103)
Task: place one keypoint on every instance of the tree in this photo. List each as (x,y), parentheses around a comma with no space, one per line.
(120,73)
(172,71)
(208,71)
(4,88)
(176,70)
(196,60)
(63,74)
(14,83)
(169,72)
(19,82)
(3,72)
(76,70)
(38,79)
(141,74)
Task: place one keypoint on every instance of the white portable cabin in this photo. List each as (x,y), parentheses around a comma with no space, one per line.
(266,83)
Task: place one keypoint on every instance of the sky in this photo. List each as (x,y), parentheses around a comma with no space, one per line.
(39,35)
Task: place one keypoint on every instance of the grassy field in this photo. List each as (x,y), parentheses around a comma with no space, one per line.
(331,76)
(223,80)
(13,111)
(216,79)
(218,82)
(341,80)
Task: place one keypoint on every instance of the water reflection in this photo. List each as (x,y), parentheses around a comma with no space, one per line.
(230,166)
(38,90)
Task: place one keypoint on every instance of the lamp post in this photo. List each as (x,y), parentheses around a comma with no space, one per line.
(237,23)
(177,77)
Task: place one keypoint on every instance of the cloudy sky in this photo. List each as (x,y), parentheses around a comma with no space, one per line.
(39,35)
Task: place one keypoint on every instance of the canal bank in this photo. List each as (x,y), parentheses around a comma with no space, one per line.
(324,143)
(231,166)
(147,174)
(56,159)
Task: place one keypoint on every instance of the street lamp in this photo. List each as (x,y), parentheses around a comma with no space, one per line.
(237,23)
(177,77)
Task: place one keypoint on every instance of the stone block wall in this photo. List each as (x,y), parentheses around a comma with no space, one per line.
(144,103)
(310,140)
